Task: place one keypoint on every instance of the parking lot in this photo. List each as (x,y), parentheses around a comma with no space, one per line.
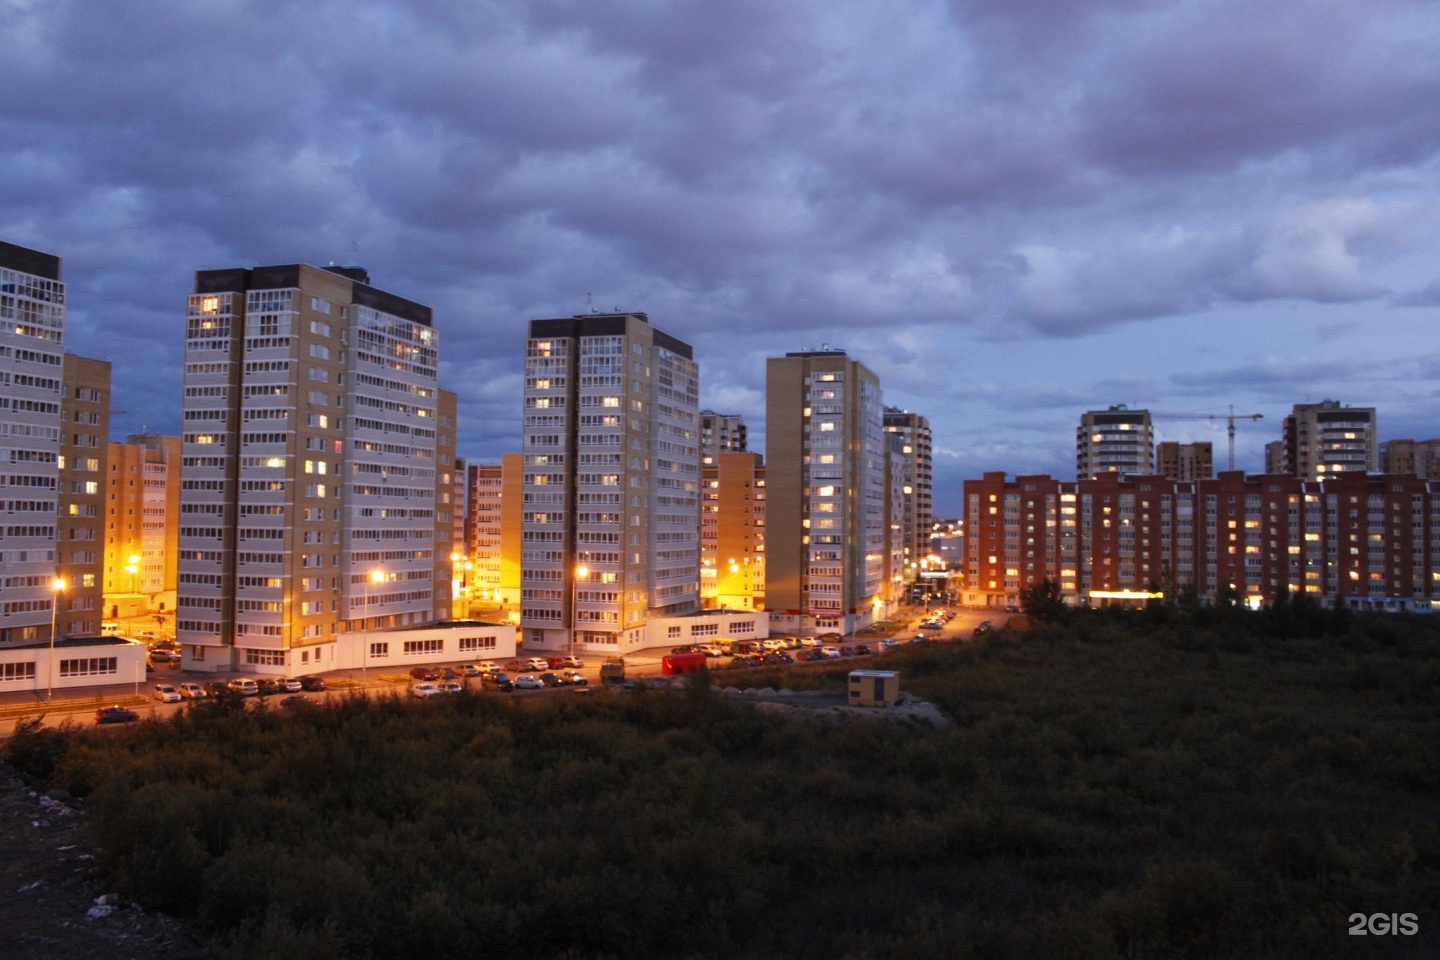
(140,697)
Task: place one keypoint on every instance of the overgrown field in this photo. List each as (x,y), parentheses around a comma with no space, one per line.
(1176,785)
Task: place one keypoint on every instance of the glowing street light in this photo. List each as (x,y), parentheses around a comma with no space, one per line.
(581,572)
(57,587)
(377,577)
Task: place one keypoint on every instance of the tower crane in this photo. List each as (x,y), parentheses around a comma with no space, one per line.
(1229,419)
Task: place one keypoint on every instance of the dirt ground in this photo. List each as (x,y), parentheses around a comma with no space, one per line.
(54,904)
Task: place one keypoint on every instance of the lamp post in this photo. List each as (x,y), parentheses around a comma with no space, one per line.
(377,577)
(57,587)
(581,572)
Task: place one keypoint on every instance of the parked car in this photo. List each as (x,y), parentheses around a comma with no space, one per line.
(536,664)
(527,682)
(295,700)
(888,645)
(809,641)
(192,691)
(513,666)
(452,687)
(291,685)
(830,653)
(553,680)
(487,666)
(166,693)
(501,682)
(862,650)
(215,688)
(555,663)
(268,685)
(424,690)
(244,686)
(576,678)
(425,674)
(574,662)
(312,683)
(981,628)
(467,670)
(115,714)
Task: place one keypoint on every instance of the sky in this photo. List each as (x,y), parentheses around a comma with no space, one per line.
(1012,211)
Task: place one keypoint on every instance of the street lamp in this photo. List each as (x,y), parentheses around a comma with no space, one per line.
(581,572)
(377,577)
(57,587)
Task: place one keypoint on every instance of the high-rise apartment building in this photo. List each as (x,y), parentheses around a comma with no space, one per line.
(732,532)
(916,485)
(1185,461)
(80,527)
(611,447)
(492,534)
(1117,440)
(1415,458)
(825,492)
(309,456)
(32,348)
(1326,438)
(721,433)
(142,528)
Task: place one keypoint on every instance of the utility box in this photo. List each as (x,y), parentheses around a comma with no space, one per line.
(874,688)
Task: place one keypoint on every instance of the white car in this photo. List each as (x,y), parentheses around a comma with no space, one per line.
(527,682)
(574,662)
(451,686)
(425,690)
(537,664)
(191,691)
(831,653)
(244,686)
(166,693)
(290,685)
(809,641)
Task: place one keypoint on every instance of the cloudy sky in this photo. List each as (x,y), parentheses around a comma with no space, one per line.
(1012,210)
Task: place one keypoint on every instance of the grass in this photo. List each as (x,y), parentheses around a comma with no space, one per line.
(1162,784)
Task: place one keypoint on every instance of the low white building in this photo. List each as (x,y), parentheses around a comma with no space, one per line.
(704,626)
(72,664)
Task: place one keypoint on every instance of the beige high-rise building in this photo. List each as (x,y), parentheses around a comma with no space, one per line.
(80,527)
(492,535)
(1185,461)
(916,487)
(1117,440)
(142,526)
(313,459)
(1415,458)
(825,471)
(611,446)
(721,433)
(1326,438)
(32,332)
(732,532)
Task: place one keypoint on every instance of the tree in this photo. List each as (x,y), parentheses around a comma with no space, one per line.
(1042,602)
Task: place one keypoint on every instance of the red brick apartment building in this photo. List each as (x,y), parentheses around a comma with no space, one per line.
(1371,539)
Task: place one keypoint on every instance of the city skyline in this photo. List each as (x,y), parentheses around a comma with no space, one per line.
(1024,214)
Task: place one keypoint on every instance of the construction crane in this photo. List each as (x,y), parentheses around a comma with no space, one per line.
(1229,419)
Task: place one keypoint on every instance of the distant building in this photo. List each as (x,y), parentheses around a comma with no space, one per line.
(732,532)
(1416,458)
(80,526)
(1185,461)
(721,433)
(1117,440)
(825,469)
(32,349)
(492,535)
(142,525)
(1326,438)
(1254,538)
(917,485)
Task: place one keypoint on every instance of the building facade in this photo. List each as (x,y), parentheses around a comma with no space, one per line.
(1185,461)
(32,349)
(1369,540)
(308,466)
(917,486)
(611,483)
(721,433)
(1117,440)
(825,468)
(142,512)
(492,535)
(1326,438)
(1417,458)
(732,532)
(80,526)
